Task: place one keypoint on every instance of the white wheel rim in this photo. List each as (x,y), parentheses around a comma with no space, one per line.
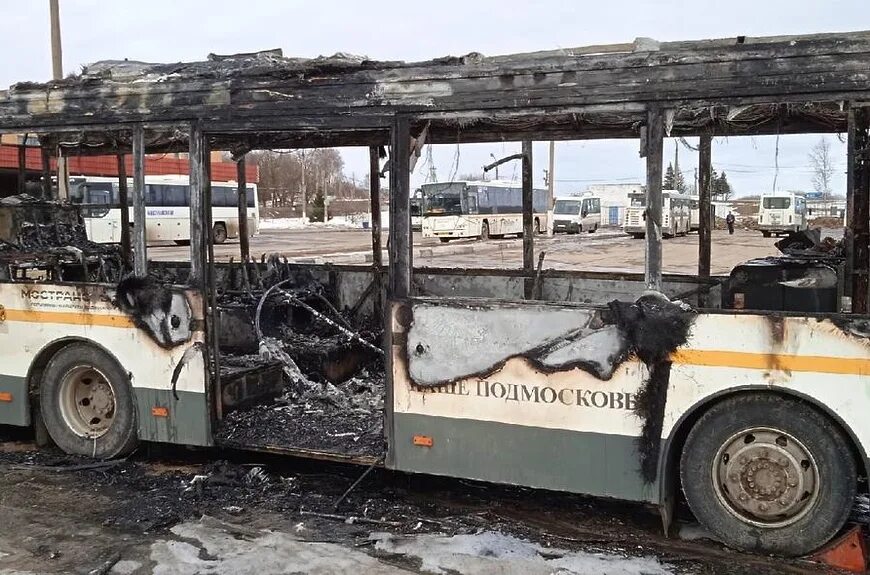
(87,401)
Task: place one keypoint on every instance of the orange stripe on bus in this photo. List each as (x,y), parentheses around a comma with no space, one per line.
(68,317)
(806,363)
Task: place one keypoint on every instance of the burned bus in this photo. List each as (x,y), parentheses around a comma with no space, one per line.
(746,395)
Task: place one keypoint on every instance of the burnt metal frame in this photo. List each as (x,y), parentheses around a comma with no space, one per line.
(645,90)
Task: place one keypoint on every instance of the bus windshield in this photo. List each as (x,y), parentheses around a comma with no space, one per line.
(777,203)
(637,200)
(442,199)
(567,207)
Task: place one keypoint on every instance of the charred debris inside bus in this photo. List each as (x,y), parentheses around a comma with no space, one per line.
(46,240)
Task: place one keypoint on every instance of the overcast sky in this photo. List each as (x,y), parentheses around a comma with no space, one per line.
(166,31)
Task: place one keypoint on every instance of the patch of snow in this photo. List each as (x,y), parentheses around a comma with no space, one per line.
(491,553)
(353,221)
(212,547)
(125,567)
(693,532)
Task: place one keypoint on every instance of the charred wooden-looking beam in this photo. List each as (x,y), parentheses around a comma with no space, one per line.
(375,203)
(858,183)
(244,240)
(528,222)
(752,86)
(655,133)
(22,166)
(705,224)
(212,314)
(46,173)
(124,200)
(400,239)
(197,203)
(140,255)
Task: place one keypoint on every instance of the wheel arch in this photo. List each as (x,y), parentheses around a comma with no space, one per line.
(45,355)
(673,446)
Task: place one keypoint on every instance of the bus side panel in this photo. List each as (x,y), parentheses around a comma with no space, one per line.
(511,422)
(817,358)
(475,397)
(38,316)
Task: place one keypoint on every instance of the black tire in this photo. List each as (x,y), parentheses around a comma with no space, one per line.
(637,236)
(765,234)
(444,240)
(120,437)
(219,233)
(484,231)
(537,226)
(594,229)
(812,524)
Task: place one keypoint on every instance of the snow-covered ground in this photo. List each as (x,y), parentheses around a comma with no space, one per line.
(210,546)
(353,221)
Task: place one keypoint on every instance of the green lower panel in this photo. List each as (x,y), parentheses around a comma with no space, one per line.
(15,407)
(580,462)
(187,420)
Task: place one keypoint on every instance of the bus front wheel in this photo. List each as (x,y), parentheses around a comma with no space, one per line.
(768,473)
(219,233)
(537,226)
(87,403)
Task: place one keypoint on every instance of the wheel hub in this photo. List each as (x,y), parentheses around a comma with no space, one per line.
(87,401)
(766,477)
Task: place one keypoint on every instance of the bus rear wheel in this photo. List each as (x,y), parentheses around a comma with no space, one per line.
(484,231)
(87,403)
(219,233)
(765,234)
(768,473)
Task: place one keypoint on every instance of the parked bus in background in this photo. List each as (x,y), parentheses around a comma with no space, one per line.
(782,212)
(676,214)
(694,214)
(167,202)
(417,212)
(574,214)
(477,209)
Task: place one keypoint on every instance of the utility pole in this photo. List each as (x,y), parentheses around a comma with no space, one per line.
(57,74)
(550,187)
(304,201)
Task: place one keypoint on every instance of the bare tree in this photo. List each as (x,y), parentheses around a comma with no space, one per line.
(823,169)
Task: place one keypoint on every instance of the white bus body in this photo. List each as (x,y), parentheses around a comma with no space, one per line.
(471,209)
(694,214)
(167,207)
(782,212)
(676,214)
(574,214)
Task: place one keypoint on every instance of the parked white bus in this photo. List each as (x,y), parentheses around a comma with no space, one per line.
(694,214)
(574,214)
(167,201)
(453,210)
(782,212)
(676,214)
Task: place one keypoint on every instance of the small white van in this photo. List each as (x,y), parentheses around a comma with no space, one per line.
(574,214)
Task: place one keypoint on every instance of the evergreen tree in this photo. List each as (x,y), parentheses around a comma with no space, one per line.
(670,181)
